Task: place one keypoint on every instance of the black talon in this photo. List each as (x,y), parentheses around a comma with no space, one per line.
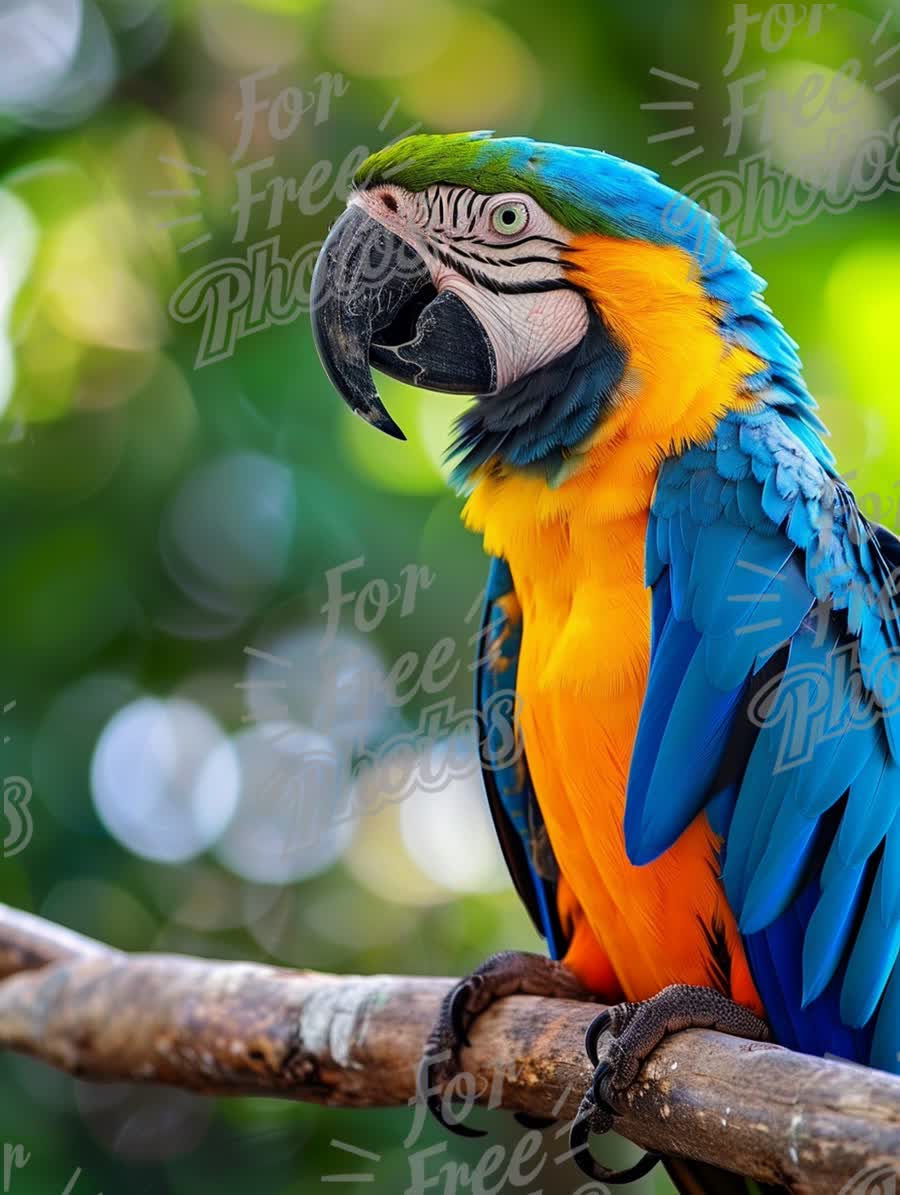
(435,1103)
(436,1108)
(600,1076)
(615,1178)
(580,1132)
(579,1141)
(457,1013)
(598,1026)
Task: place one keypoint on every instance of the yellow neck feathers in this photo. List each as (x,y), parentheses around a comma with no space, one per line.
(682,377)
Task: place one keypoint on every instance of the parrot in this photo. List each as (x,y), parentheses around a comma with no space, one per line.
(695,620)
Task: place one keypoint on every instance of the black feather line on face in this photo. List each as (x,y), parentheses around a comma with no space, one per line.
(535,236)
(504,262)
(503,246)
(538,286)
(469,215)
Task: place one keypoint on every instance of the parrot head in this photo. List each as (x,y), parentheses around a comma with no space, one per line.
(553,284)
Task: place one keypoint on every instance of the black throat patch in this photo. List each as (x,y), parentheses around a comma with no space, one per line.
(535,423)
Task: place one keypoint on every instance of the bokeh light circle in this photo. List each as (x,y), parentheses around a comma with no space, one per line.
(292,818)
(165,779)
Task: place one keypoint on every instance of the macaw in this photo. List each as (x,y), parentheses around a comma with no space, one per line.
(696,620)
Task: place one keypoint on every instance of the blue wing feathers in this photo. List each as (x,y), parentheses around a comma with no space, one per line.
(755,543)
(883,1052)
(678,645)
(752,818)
(680,568)
(890,887)
(718,551)
(778,864)
(775,957)
(662,608)
(828,933)
(760,628)
(872,959)
(871,808)
(701,715)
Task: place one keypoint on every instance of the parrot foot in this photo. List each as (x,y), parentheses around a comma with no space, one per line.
(637,1029)
(509,973)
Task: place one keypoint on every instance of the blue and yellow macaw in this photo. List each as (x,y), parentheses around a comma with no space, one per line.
(698,623)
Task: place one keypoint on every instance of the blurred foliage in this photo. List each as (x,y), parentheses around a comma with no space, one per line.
(171,509)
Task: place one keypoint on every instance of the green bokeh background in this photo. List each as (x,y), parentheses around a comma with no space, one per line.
(160,517)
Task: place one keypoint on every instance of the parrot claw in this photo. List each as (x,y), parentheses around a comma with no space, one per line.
(596,1029)
(597,1118)
(435,1070)
(459,1006)
(506,974)
(599,1090)
(637,1029)
(436,1108)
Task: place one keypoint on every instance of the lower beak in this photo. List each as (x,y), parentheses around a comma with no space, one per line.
(374,304)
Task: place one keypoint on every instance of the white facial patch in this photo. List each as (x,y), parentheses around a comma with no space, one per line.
(525,331)
(499,254)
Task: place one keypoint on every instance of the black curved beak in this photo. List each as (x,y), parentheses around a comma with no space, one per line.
(373,304)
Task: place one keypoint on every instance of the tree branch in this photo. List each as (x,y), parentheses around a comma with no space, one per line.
(245,1029)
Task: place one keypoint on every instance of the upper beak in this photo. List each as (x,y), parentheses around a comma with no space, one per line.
(374,303)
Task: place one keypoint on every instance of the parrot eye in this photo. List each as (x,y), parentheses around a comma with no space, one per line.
(509,218)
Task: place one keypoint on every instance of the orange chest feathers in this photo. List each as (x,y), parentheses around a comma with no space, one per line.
(581,680)
(576,553)
(580,687)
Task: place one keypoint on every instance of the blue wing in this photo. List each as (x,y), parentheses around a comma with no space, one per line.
(507,782)
(774,671)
